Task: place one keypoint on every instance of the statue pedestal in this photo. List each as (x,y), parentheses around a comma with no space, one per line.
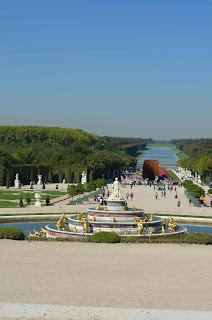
(38,197)
(83,180)
(17,183)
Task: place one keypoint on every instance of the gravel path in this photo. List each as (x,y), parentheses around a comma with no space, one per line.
(145,276)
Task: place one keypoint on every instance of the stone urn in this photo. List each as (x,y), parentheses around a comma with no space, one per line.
(38,198)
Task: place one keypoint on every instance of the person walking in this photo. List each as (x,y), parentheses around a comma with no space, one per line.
(131,195)
(164,193)
(178,203)
(127,195)
(189,201)
(156,195)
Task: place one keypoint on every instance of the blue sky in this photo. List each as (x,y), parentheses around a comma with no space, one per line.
(122,67)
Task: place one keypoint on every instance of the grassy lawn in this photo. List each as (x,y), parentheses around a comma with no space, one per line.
(8,195)
(173,175)
(152,145)
(175,150)
(8,204)
(181,156)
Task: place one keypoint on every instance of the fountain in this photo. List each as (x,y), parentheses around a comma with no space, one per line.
(114,217)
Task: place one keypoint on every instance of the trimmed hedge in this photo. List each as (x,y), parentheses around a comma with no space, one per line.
(104,237)
(196,238)
(210,191)
(11,233)
(193,189)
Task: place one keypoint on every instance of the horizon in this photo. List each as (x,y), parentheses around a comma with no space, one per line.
(132,69)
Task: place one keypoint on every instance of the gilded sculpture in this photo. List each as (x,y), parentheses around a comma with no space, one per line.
(61,223)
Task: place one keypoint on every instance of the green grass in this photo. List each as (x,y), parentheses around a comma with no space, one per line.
(175,150)
(173,175)
(181,156)
(8,204)
(168,145)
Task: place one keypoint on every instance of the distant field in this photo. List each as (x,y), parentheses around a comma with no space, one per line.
(173,175)
(169,145)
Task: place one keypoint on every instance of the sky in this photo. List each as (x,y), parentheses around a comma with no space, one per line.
(133,68)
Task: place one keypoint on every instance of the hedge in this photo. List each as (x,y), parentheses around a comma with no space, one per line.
(11,233)
(193,189)
(104,237)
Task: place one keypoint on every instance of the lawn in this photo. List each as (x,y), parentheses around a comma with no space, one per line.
(8,204)
(17,194)
(181,156)
(173,175)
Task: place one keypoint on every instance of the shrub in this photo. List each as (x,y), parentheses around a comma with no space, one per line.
(11,233)
(198,238)
(104,237)
(193,189)
(210,191)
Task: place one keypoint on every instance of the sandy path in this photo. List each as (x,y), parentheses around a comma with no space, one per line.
(166,276)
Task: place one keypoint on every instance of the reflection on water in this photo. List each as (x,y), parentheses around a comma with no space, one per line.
(163,155)
(30,226)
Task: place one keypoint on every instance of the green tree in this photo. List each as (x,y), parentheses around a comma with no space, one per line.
(50,179)
(9,180)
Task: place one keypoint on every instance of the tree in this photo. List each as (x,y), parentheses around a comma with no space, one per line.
(72,191)
(69,175)
(9,180)
(28,199)
(50,179)
(32,177)
(60,177)
(21,203)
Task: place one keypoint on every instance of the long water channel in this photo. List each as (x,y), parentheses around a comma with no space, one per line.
(164,155)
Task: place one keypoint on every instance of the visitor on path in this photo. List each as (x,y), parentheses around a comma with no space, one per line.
(131,195)
(164,193)
(101,200)
(175,195)
(211,202)
(189,201)
(127,195)
(108,193)
(178,203)
(156,195)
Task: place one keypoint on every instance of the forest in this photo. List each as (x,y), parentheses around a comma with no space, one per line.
(60,153)
(200,156)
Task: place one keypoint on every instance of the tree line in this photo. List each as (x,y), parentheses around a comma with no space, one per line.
(60,153)
(200,156)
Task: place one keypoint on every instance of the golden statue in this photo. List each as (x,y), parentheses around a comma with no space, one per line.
(173,226)
(86,227)
(135,220)
(99,230)
(152,230)
(98,207)
(126,232)
(134,208)
(37,234)
(74,229)
(105,209)
(140,228)
(93,219)
(111,230)
(61,223)
(125,208)
(114,219)
(163,229)
(145,218)
(80,216)
(151,218)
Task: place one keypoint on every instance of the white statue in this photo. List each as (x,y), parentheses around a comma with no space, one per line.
(84,178)
(116,191)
